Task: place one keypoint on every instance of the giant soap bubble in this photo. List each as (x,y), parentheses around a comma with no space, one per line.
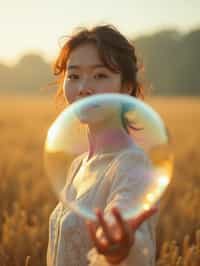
(88,145)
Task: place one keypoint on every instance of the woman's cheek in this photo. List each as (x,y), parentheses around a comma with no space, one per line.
(69,93)
(112,86)
(103,86)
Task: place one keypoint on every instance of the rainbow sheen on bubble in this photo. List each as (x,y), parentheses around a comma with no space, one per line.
(67,142)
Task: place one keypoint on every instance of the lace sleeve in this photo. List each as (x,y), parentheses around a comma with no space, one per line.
(125,186)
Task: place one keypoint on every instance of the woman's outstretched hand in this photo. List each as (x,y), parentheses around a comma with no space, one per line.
(115,240)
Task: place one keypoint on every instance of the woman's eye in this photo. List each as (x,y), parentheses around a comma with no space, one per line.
(100,76)
(73,76)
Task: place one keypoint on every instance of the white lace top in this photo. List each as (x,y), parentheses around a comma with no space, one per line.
(109,184)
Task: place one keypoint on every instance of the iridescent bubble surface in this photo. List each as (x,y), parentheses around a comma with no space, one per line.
(113,120)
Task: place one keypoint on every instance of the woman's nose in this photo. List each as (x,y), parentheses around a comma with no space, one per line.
(85,89)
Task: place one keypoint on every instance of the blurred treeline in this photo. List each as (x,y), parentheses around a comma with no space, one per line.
(171,62)
(171,66)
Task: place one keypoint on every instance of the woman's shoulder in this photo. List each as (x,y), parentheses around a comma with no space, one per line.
(129,162)
(131,156)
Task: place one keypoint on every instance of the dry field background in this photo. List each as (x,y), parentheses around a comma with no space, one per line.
(26,199)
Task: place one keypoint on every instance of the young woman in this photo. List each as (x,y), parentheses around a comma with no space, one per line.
(95,61)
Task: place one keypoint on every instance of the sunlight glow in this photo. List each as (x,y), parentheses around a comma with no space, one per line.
(36,25)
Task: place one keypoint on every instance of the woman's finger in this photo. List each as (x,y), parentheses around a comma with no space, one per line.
(136,222)
(105,227)
(92,231)
(122,225)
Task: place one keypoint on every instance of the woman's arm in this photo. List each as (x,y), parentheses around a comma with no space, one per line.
(127,185)
(141,252)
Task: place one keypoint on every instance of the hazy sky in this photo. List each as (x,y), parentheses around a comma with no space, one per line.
(36,25)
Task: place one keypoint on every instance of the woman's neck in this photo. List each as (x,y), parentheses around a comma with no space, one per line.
(107,140)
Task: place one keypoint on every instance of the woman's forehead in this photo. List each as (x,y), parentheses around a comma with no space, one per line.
(84,55)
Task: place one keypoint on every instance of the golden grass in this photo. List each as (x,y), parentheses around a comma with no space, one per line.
(26,199)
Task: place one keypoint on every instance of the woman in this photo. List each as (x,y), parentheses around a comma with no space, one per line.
(96,61)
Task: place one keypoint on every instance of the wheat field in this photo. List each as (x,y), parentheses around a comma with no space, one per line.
(26,198)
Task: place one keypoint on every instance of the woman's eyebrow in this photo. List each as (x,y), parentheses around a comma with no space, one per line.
(88,66)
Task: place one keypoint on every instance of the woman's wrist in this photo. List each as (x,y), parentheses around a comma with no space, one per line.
(120,255)
(117,259)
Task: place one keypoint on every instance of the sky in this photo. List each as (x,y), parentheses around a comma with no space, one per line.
(35,26)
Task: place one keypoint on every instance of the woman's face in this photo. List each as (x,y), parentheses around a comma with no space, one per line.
(86,75)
